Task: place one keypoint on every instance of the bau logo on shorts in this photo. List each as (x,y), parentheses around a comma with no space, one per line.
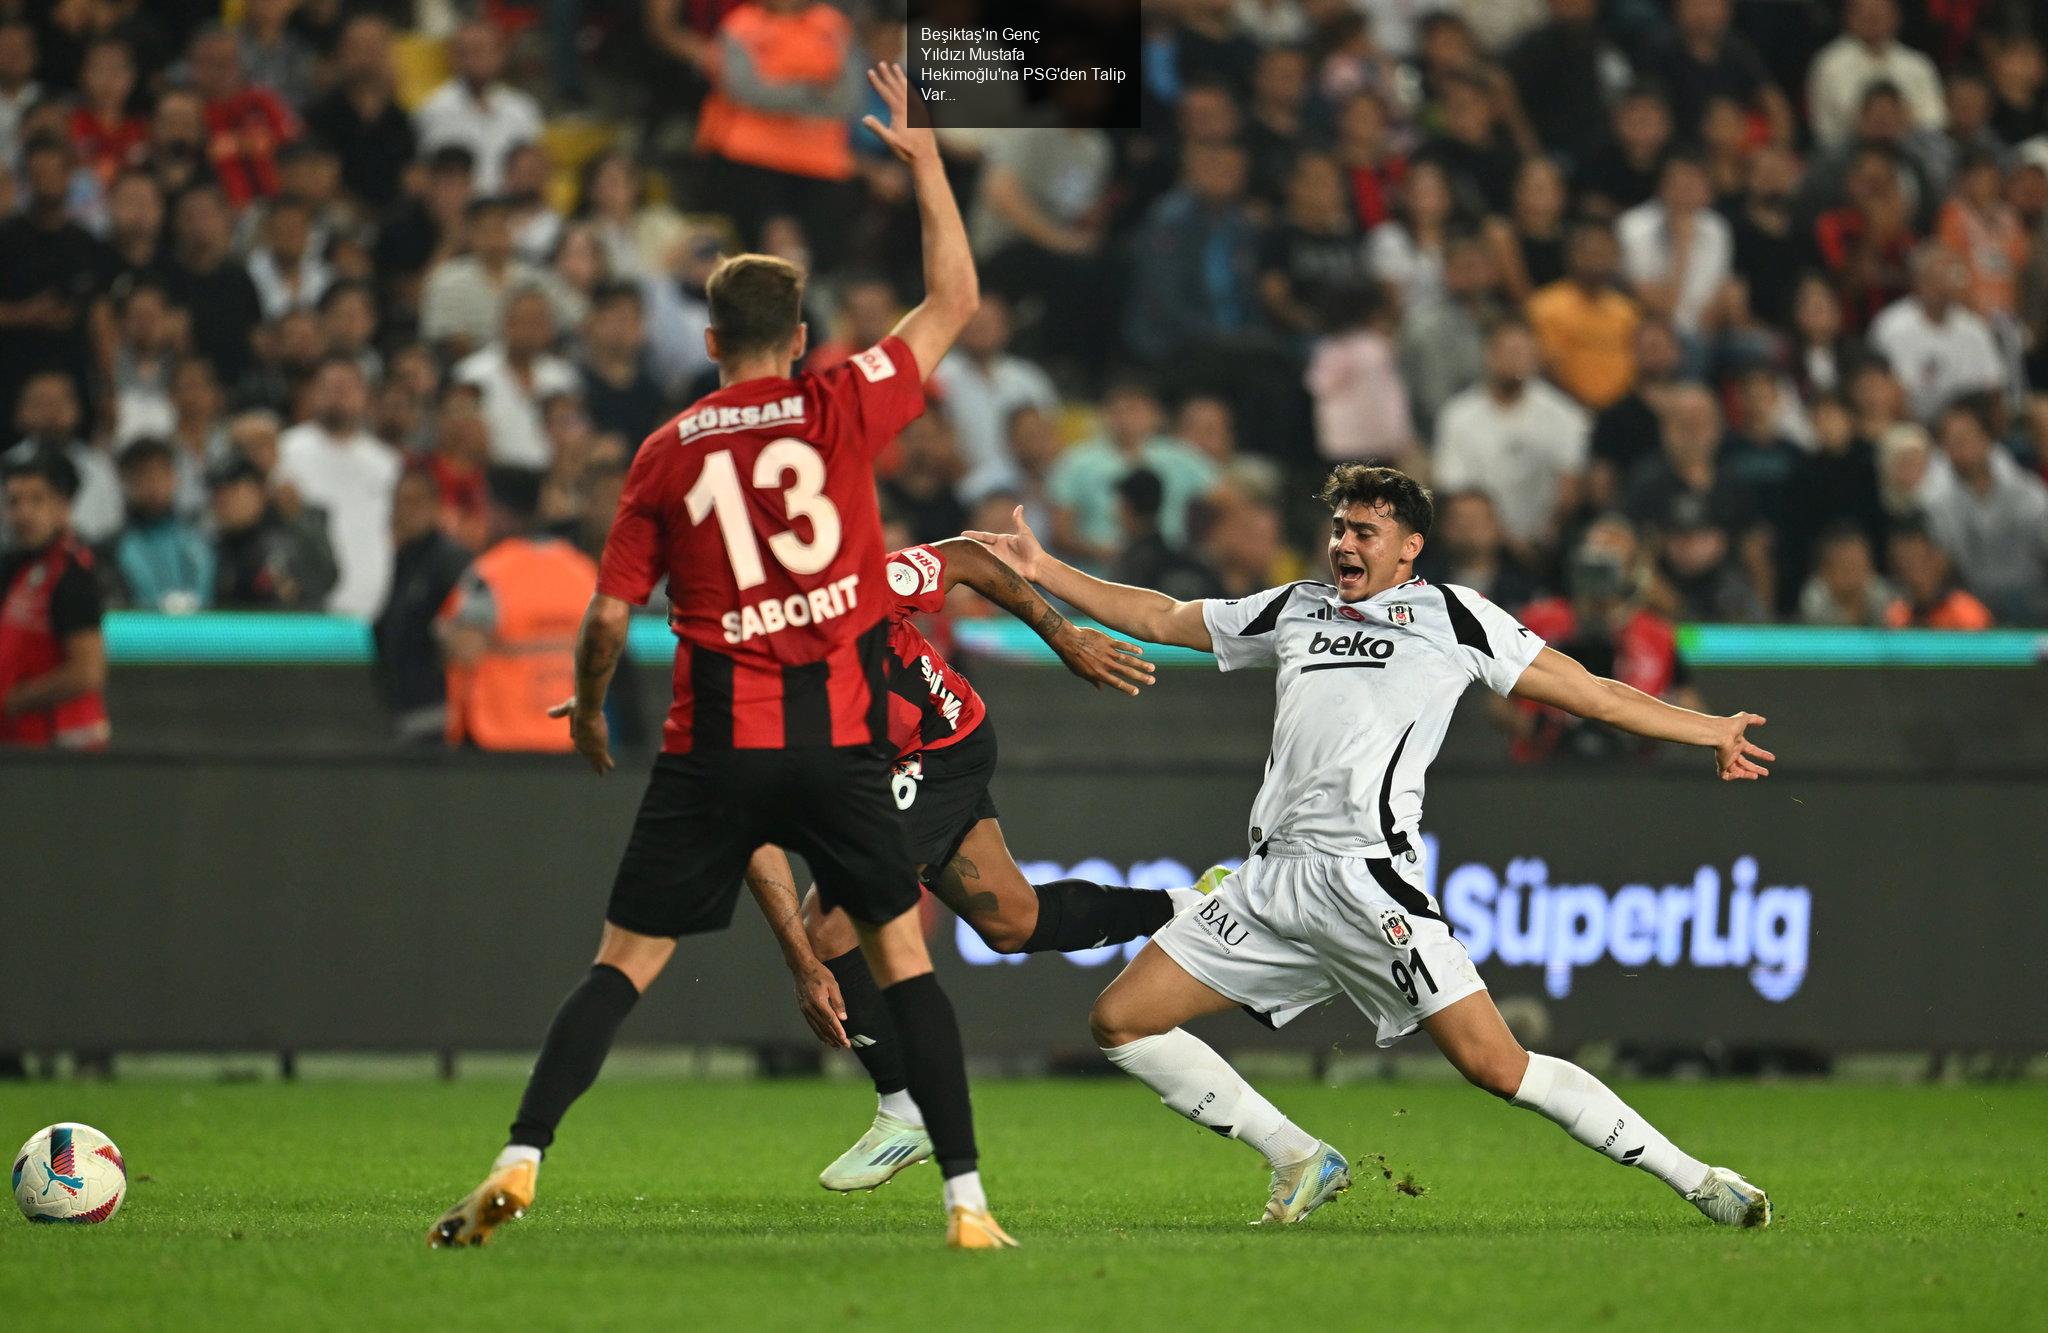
(1223,925)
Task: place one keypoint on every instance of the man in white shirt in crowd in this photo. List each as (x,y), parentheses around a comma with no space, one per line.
(516,376)
(1867,52)
(462,306)
(475,110)
(1937,346)
(335,464)
(983,385)
(1518,439)
(1989,514)
(1676,251)
(48,416)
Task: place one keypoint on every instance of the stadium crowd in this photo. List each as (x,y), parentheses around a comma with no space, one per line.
(1707,310)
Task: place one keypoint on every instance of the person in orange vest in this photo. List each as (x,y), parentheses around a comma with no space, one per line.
(53,660)
(508,630)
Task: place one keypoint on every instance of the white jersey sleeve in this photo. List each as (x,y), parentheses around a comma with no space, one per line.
(1493,646)
(1241,630)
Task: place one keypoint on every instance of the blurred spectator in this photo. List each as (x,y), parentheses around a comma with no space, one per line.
(1698,566)
(983,386)
(1467,547)
(1242,542)
(1585,325)
(196,433)
(1703,58)
(462,450)
(274,54)
(50,269)
(1937,346)
(332,462)
(923,489)
(215,291)
(107,134)
(1866,243)
(348,325)
(135,226)
(288,273)
(1604,621)
(1034,447)
(48,417)
(1759,453)
(1979,227)
(617,388)
(1407,250)
(1205,422)
(787,81)
(1476,151)
(263,560)
(53,661)
(1833,487)
(1443,340)
(2017,76)
(146,334)
(1276,120)
(1375,170)
(1361,406)
(426,565)
(475,110)
(1565,72)
(536,226)
(1989,515)
(18,87)
(177,151)
(246,123)
(638,235)
(1928,595)
(1677,251)
(1081,484)
(1147,560)
(463,304)
(359,117)
(508,631)
(868,309)
(1196,260)
(1868,52)
(1698,513)
(1845,588)
(254,434)
(1822,355)
(1624,172)
(1038,222)
(1530,243)
(1631,428)
(1313,251)
(517,374)
(1516,438)
(1769,250)
(163,562)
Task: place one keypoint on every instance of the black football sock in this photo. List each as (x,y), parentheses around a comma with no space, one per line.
(937,1068)
(868,1023)
(1074,914)
(577,1043)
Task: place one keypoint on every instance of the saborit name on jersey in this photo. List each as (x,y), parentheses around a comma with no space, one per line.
(772,614)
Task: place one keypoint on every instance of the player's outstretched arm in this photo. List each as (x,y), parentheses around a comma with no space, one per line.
(599,644)
(1562,682)
(952,291)
(1094,657)
(817,992)
(1140,612)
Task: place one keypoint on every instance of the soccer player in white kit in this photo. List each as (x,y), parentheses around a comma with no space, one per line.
(1331,899)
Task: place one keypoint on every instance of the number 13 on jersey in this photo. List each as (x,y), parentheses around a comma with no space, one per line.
(786,465)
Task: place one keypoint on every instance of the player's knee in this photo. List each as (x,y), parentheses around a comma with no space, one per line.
(1002,934)
(1497,1071)
(1113,1024)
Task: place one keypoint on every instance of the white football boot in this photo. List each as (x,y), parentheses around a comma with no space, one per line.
(1730,1200)
(889,1145)
(1300,1189)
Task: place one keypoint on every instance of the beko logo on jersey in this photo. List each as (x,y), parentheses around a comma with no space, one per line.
(707,419)
(1364,649)
(771,614)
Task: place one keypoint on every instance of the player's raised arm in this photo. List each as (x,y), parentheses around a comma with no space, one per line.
(951,290)
(1562,682)
(1093,656)
(1140,612)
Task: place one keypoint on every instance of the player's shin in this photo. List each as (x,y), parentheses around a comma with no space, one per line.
(1075,914)
(1192,1079)
(1588,1110)
(937,1071)
(577,1043)
(872,1031)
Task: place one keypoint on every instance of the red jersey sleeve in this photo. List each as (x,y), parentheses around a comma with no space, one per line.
(879,392)
(917,580)
(634,554)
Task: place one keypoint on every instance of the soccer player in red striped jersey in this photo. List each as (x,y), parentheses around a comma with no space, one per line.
(758,506)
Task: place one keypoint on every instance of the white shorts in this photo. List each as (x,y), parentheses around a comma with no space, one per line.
(1287,932)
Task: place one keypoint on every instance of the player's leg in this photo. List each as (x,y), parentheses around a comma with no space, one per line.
(1137,1024)
(897,1138)
(1476,1040)
(982,883)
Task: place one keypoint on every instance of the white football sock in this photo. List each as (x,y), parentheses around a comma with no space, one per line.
(964,1191)
(1588,1110)
(901,1105)
(514,1153)
(1192,1079)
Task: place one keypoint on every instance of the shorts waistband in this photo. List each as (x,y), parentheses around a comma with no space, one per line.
(1390,850)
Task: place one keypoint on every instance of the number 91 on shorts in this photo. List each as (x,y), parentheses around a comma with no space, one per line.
(772,614)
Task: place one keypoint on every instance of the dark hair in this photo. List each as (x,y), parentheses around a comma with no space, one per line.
(1142,490)
(1364,484)
(1839,532)
(757,302)
(488,203)
(617,289)
(49,464)
(514,489)
(147,449)
(344,288)
(1978,405)
(451,157)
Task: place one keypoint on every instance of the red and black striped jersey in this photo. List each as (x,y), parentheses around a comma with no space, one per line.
(758,505)
(931,705)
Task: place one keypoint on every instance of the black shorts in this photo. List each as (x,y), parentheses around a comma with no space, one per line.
(943,794)
(705,814)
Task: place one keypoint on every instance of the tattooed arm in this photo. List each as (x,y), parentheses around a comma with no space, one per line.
(1089,654)
(817,992)
(598,646)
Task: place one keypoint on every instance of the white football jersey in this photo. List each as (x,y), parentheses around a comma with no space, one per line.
(1365,693)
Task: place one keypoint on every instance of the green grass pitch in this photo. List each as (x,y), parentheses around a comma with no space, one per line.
(694,1204)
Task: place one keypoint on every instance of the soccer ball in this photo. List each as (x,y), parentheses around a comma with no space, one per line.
(69,1173)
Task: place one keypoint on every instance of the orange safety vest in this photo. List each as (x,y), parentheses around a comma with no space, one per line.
(501,702)
(812,46)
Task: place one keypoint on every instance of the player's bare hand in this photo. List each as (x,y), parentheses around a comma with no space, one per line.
(1019,550)
(910,143)
(591,734)
(817,996)
(1101,660)
(1736,756)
